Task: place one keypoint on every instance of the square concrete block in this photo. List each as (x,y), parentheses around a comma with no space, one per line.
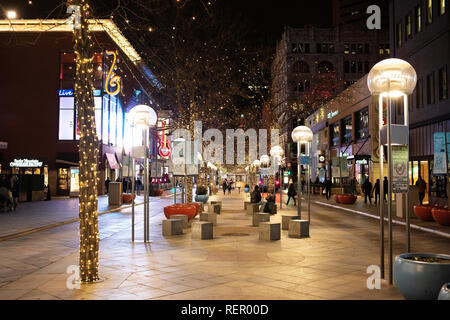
(252,208)
(245,204)
(202,230)
(214,208)
(217,202)
(181,217)
(270,231)
(172,227)
(260,217)
(209,217)
(285,221)
(298,229)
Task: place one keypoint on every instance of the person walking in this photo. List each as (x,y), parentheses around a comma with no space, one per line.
(224,186)
(328,186)
(367,189)
(15,191)
(385,188)
(376,190)
(291,194)
(138,186)
(422,185)
(107,181)
(230,184)
(353,184)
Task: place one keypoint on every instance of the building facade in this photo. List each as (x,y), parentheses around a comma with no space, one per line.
(39,115)
(345,51)
(420,34)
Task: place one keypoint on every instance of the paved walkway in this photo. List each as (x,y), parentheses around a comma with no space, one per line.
(331,264)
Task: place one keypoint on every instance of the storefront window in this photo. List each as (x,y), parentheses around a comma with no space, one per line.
(347,130)
(424,172)
(335,134)
(66,118)
(362,124)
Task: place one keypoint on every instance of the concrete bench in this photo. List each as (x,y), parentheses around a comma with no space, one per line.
(270,231)
(214,208)
(209,217)
(259,217)
(246,204)
(298,229)
(285,221)
(181,217)
(252,208)
(202,230)
(172,227)
(217,202)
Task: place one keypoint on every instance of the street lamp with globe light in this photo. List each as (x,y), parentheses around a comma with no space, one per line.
(389,79)
(302,135)
(276,152)
(142,118)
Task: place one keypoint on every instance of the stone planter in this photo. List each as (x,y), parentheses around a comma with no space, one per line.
(190,210)
(127,198)
(246,190)
(423,213)
(445,292)
(203,198)
(441,216)
(420,280)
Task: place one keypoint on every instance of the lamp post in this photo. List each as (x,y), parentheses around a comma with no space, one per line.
(277,152)
(392,78)
(142,118)
(302,135)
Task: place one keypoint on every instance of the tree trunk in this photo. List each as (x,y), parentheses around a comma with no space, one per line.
(88,149)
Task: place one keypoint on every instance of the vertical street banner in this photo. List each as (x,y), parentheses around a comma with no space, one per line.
(400,175)
(335,171)
(344,167)
(178,158)
(440,157)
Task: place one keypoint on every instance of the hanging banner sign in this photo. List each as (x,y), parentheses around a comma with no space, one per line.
(164,143)
(112,80)
(440,167)
(344,167)
(400,175)
(304,160)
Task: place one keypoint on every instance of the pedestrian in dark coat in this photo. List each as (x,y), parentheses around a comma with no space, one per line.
(291,194)
(367,188)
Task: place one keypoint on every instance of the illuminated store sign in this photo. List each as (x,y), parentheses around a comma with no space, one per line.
(112,80)
(25,163)
(333,114)
(66,93)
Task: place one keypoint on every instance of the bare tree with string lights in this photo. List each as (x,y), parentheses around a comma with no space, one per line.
(88,144)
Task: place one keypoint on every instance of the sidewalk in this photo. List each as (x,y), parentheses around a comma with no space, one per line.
(331,264)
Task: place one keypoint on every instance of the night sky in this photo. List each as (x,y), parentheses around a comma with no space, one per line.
(266,17)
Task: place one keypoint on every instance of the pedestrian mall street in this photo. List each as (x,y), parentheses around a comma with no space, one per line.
(331,264)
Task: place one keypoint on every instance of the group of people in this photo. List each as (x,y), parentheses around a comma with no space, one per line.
(9,192)
(292,192)
(227,185)
(126,185)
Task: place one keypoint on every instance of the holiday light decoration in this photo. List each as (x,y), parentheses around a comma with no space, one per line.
(88,147)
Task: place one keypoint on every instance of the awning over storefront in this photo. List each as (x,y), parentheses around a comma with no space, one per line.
(113,164)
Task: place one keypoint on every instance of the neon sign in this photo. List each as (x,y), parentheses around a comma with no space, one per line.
(112,80)
(164,144)
(25,163)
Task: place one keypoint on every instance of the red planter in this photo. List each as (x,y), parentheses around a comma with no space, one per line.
(196,204)
(423,212)
(190,210)
(127,198)
(441,216)
(347,199)
(336,198)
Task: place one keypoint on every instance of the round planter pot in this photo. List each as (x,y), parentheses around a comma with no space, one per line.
(337,198)
(445,292)
(423,213)
(347,199)
(189,210)
(418,280)
(246,190)
(203,198)
(441,216)
(127,198)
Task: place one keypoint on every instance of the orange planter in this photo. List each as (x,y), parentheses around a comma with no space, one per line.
(423,212)
(196,204)
(127,198)
(441,216)
(187,209)
(347,199)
